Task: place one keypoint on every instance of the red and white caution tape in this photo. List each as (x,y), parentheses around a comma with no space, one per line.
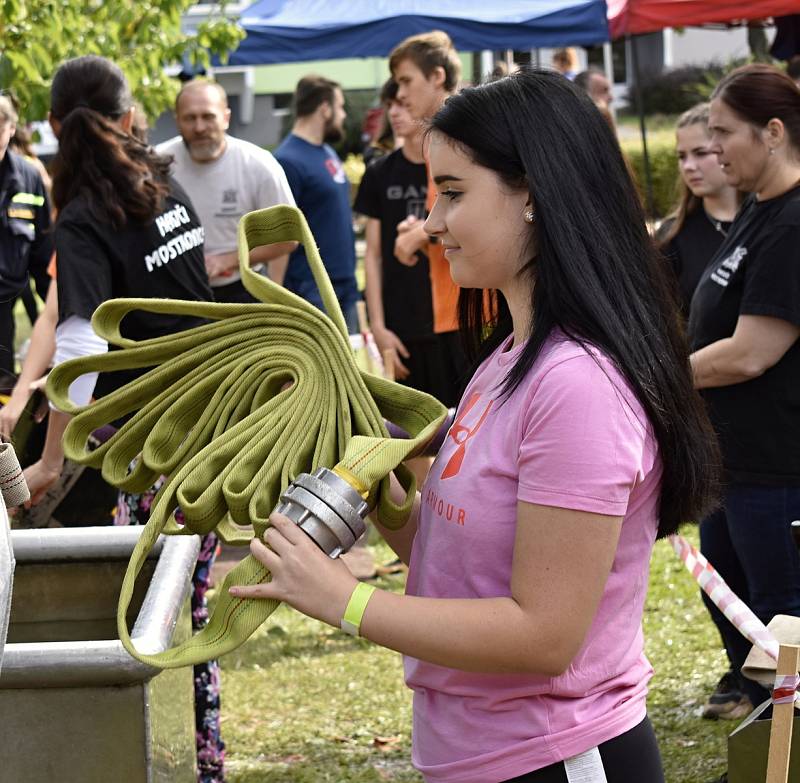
(373,350)
(728,602)
(785,689)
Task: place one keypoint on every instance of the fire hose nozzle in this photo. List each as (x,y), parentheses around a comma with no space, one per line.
(326,508)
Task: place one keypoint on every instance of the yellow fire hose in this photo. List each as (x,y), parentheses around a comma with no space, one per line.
(215,416)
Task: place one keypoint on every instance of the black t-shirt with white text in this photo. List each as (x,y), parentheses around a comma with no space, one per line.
(756,272)
(392,189)
(160,260)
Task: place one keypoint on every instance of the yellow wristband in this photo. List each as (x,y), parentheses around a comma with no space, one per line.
(356,606)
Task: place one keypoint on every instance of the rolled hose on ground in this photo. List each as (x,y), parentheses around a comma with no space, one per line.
(214,414)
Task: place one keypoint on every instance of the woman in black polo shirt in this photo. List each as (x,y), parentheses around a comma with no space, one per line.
(744,327)
(124,229)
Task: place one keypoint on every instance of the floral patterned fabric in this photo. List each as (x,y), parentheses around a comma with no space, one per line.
(134,509)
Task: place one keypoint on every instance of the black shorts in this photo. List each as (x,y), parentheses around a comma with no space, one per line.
(437,365)
(233,293)
(633,756)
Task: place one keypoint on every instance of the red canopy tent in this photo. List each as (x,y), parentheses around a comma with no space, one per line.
(633,17)
(629,17)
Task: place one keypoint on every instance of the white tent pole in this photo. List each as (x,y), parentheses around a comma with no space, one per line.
(247,98)
(608,62)
(608,67)
(487,64)
(668,55)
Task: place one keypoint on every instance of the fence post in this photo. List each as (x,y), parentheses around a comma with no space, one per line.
(780,738)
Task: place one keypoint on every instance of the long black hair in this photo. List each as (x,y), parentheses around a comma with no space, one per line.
(119,175)
(596,274)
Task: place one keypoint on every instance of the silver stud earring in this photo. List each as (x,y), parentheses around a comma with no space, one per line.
(528,216)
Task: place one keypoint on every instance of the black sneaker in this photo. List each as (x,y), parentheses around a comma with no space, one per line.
(728,702)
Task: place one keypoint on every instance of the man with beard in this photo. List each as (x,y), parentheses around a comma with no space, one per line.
(225,178)
(322,192)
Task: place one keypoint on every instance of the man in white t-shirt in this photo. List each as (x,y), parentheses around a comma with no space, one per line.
(225,178)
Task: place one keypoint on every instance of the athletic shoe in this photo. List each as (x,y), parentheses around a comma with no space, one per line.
(728,702)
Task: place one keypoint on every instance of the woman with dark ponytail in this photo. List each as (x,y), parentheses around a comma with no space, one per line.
(578,441)
(124,229)
(120,178)
(744,326)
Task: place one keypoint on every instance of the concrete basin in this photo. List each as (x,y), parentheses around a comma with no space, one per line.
(75,706)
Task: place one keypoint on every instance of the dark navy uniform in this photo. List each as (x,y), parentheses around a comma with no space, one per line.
(26,241)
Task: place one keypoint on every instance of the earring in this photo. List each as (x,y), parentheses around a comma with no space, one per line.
(772,151)
(528,216)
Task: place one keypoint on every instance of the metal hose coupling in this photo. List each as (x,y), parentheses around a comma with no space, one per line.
(327,508)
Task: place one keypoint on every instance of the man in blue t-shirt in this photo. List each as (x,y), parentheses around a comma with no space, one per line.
(322,191)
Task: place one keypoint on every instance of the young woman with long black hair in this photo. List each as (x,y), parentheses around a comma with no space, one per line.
(124,229)
(578,441)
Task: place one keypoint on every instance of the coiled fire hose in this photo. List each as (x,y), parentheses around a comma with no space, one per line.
(214,414)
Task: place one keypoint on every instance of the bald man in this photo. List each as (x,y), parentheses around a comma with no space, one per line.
(595,83)
(225,178)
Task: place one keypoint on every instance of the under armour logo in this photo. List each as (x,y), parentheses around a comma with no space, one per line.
(461,435)
(336,170)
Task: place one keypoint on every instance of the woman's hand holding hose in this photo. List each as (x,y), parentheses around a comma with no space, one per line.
(303,576)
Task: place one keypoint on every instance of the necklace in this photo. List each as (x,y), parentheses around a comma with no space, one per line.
(716,223)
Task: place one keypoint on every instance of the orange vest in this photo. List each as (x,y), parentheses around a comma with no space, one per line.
(444,292)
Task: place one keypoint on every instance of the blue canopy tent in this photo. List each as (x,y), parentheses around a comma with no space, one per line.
(284,31)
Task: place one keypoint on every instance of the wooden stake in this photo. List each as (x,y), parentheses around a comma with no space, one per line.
(388,363)
(363,329)
(361,310)
(780,738)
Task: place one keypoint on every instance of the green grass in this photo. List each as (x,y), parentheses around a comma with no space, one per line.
(654,122)
(303,703)
(685,650)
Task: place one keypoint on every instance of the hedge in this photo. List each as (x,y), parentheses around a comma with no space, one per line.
(675,90)
(663,167)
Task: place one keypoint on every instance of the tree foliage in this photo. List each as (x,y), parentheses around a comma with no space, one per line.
(142,37)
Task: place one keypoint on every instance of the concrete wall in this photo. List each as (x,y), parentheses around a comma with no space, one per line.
(698,46)
(264,130)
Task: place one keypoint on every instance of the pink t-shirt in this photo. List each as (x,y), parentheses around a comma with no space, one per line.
(574,436)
